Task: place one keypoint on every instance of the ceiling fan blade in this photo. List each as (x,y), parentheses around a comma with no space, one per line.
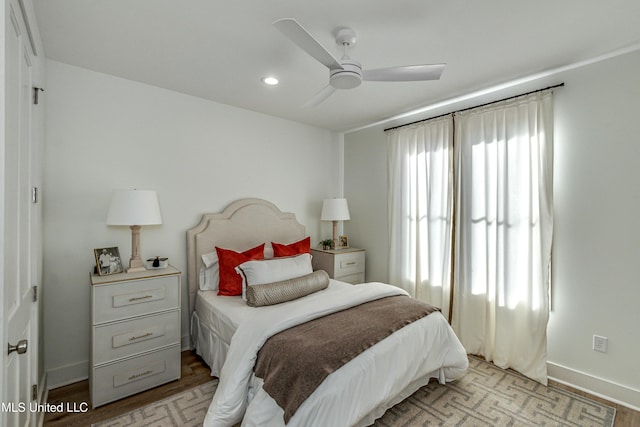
(409,73)
(297,34)
(320,96)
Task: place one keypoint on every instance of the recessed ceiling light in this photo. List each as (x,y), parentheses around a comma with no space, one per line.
(271,81)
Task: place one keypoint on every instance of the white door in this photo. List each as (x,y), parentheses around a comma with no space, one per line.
(19,311)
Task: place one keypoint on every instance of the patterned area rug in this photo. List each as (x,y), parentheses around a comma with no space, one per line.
(485,396)
(187,409)
(489,396)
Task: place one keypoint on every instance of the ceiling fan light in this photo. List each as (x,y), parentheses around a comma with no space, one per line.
(349,77)
(345,80)
(270,81)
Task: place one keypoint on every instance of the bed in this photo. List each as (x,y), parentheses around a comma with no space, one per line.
(229,334)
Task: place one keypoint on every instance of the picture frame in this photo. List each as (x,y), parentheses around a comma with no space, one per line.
(343,242)
(108,261)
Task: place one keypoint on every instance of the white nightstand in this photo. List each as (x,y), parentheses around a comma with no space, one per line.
(135,333)
(346,265)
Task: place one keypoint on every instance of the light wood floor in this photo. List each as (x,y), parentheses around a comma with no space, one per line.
(196,372)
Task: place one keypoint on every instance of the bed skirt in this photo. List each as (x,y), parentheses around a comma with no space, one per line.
(208,345)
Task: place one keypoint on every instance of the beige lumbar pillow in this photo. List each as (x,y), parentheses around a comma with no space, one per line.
(286,290)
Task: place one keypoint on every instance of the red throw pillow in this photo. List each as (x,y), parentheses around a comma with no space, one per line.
(228,260)
(296,248)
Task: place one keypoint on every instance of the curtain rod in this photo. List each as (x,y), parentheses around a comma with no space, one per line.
(476,106)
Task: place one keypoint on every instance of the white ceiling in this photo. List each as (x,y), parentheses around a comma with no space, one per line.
(220,50)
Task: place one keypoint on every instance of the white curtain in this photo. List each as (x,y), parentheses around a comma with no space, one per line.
(504,223)
(420,200)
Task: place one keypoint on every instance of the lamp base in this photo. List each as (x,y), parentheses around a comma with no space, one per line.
(136,266)
(135,263)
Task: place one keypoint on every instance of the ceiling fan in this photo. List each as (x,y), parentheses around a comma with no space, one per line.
(347,73)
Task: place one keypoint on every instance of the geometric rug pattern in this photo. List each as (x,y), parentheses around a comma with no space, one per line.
(490,396)
(187,409)
(485,396)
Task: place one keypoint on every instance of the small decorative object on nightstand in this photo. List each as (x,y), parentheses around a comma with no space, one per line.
(346,265)
(135,333)
(108,261)
(327,244)
(157,262)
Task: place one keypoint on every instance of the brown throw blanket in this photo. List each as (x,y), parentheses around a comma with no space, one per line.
(294,362)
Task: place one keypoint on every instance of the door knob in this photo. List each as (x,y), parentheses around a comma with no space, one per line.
(20,348)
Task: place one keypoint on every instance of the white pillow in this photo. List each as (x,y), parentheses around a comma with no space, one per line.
(268,252)
(209,259)
(210,273)
(273,270)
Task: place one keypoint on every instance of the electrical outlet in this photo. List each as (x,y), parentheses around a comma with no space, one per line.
(600,343)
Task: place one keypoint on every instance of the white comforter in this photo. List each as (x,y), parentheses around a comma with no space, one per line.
(349,396)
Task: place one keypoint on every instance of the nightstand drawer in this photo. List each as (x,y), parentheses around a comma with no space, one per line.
(130,337)
(349,263)
(354,279)
(134,298)
(114,381)
(346,265)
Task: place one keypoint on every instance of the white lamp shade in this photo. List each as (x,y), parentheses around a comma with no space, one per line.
(134,207)
(335,210)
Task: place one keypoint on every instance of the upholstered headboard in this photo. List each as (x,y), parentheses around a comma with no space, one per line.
(241,225)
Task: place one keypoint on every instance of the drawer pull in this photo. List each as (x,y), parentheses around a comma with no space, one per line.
(149,369)
(141,374)
(142,297)
(148,334)
(351,263)
(139,298)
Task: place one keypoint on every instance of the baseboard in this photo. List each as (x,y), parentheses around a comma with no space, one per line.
(185,343)
(68,374)
(613,392)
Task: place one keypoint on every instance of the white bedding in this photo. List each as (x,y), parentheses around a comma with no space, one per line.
(348,397)
(213,323)
(222,313)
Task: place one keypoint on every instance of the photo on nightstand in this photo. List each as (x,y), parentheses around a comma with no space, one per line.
(108,261)
(343,242)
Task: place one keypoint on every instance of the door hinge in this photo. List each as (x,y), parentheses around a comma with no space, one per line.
(35,293)
(36,91)
(34,392)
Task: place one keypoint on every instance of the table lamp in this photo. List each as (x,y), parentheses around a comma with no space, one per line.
(134,208)
(335,210)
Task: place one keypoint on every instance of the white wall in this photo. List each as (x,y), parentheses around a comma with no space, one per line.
(365,187)
(107,133)
(597,237)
